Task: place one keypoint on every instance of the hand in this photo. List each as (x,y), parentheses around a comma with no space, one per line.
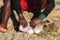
(35,22)
(23,22)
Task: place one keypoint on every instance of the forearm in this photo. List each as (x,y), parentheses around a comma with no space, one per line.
(48,9)
(50,6)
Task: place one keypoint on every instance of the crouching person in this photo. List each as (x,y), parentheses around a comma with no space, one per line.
(35,6)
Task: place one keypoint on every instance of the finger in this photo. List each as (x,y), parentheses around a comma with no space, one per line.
(32,25)
(25,24)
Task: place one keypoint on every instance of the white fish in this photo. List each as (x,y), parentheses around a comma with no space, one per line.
(38,28)
(28,29)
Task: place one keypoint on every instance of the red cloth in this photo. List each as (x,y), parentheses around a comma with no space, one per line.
(24,5)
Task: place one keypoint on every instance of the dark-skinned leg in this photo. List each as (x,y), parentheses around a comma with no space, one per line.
(5,16)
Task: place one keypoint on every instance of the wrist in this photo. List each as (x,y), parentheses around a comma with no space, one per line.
(21,16)
(42,16)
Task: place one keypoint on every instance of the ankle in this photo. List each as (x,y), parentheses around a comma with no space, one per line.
(3,24)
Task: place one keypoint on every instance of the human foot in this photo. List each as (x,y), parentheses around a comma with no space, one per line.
(3,28)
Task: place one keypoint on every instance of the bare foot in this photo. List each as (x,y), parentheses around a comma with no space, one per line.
(3,28)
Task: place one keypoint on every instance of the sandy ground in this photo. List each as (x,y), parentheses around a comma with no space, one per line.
(51,32)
